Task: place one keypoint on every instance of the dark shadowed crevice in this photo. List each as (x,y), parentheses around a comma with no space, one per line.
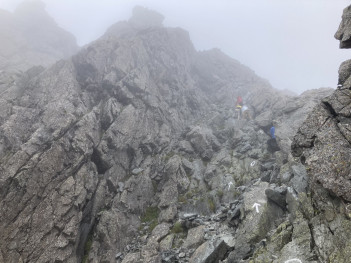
(101,165)
(87,246)
(314,256)
(330,108)
(331,231)
(345,43)
(87,227)
(131,155)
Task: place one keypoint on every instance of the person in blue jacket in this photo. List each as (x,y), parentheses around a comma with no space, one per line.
(272,142)
(272,130)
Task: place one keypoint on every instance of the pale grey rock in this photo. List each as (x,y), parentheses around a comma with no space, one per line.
(174,171)
(185,146)
(300,180)
(137,171)
(167,242)
(132,258)
(149,252)
(195,237)
(292,202)
(286,177)
(160,231)
(285,130)
(210,251)
(344,75)
(323,237)
(188,166)
(189,216)
(344,34)
(168,214)
(323,145)
(203,141)
(120,187)
(265,119)
(256,222)
(169,195)
(229,240)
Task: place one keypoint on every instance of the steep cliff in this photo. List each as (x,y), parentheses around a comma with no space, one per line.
(129,152)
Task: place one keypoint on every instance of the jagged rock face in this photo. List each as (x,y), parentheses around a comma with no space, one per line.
(30,37)
(323,145)
(344,32)
(289,116)
(323,142)
(72,134)
(139,121)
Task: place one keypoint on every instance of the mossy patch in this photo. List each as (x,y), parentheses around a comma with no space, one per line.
(177,228)
(87,247)
(150,216)
(211,204)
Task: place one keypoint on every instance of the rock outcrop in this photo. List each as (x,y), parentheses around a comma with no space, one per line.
(129,152)
(323,145)
(344,32)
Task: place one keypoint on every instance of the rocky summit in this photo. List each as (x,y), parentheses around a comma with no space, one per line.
(130,151)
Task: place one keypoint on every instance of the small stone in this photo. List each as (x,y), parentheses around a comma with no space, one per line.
(120,186)
(211,228)
(181,255)
(137,171)
(190,216)
(118,255)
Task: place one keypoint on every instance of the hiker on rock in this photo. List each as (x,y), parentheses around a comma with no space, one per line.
(239,101)
(272,131)
(272,142)
(239,105)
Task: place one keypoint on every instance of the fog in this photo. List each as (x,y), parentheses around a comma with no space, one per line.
(288,42)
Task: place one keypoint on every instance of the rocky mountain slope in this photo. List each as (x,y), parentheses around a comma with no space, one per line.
(129,152)
(29,37)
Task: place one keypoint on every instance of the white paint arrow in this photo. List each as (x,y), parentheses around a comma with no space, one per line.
(230,183)
(255,205)
(294,260)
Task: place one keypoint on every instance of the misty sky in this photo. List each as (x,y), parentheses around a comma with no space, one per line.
(289,42)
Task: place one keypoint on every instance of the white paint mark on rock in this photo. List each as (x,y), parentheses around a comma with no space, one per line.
(294,260)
